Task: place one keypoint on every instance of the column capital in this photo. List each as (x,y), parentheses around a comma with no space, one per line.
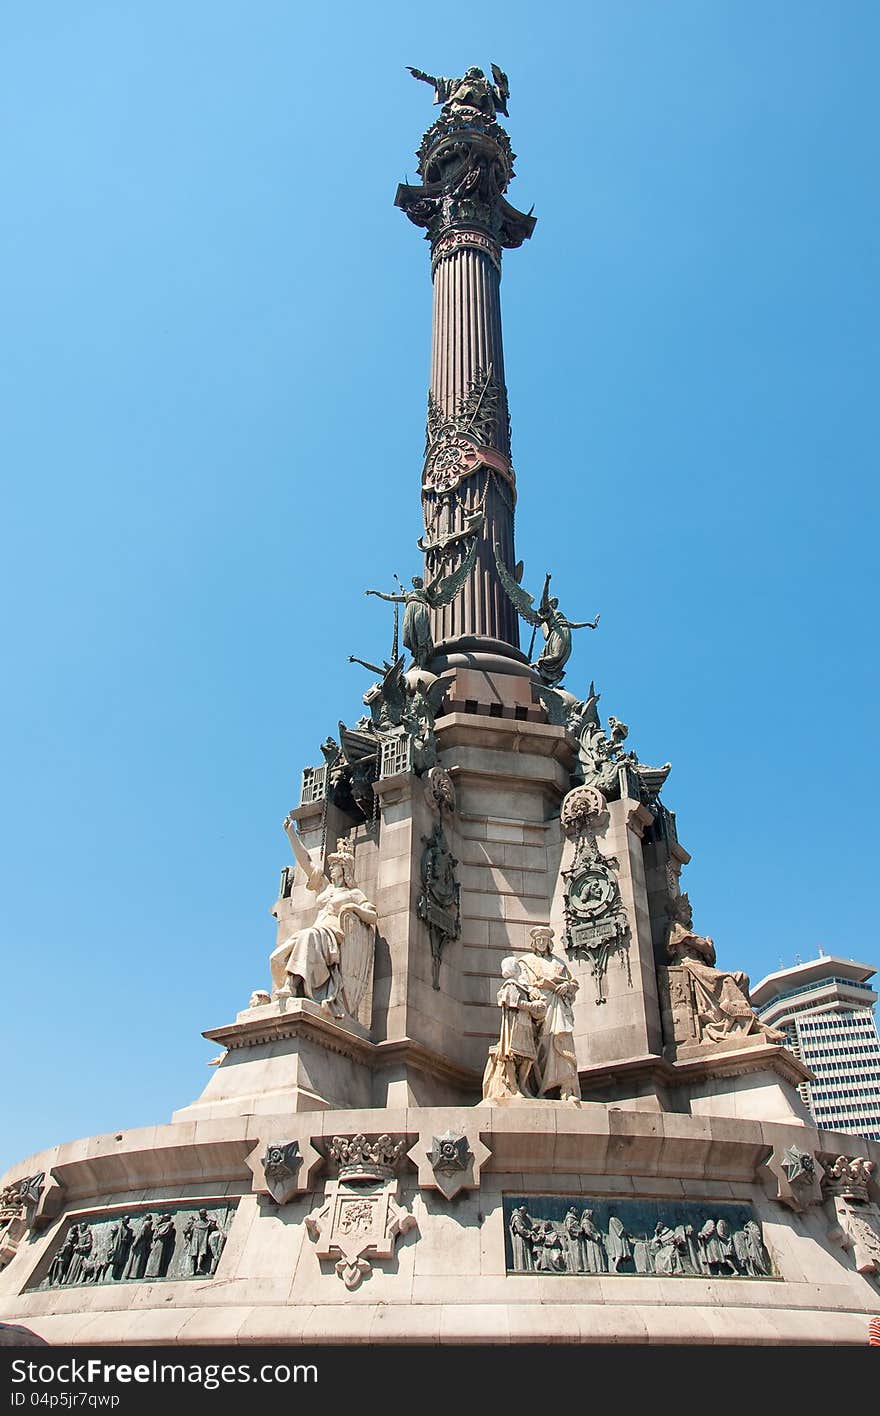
(466,164)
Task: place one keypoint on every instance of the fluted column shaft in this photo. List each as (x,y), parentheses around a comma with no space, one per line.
(468,358)
(466,328)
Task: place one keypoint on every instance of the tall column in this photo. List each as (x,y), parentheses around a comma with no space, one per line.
(468,483)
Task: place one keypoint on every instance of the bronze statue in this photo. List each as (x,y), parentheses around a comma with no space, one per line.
(473,90)
(394,704)
(422,599)
(548,617)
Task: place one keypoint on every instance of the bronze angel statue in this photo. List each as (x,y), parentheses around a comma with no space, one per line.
(394,706)
(548,617)
(422,599)
(471,91)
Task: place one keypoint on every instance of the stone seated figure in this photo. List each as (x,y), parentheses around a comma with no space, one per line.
(330,961)
(716,1002)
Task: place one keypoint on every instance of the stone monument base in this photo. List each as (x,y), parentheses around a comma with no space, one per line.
(292,1056)
(695,1246)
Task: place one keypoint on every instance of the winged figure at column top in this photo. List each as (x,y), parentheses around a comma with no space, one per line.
(473,90)
(421,599)
(548,617)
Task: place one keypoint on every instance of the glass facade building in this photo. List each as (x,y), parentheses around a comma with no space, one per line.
(826,1008)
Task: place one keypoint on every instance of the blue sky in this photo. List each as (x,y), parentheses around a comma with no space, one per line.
(212,384)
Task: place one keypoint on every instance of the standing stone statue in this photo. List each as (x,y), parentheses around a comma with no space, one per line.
(121,1240)
(512,1059)
(161,1246)
(521,1235)
(197,1233)
(535,1052)
(82,1248)
(422,599)
(550,980)
(548,617)
(593,1244)
(574,1241)
(58,1273)
(330,961)
(140,1249)
(617,1244)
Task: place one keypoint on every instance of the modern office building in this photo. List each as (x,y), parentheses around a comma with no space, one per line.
(826,1006)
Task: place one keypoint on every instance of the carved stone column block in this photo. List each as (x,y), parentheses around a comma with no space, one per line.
(600,905)
(450,1162)
(793,1177)
(284,1168)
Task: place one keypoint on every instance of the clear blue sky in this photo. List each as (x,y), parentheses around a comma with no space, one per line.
(215,339)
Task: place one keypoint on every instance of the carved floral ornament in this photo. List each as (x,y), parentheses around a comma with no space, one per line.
(800,1167)
(281,1166)
(449,1153)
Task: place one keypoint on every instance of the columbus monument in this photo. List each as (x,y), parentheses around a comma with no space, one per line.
(492,1084)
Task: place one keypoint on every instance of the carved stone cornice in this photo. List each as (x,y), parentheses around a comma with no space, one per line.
(653,1070)
(304,1018)
(297,1016)
(143,1159)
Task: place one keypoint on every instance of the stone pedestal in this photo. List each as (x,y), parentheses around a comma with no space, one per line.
(617,1016)
(427,1268)
(290,1057)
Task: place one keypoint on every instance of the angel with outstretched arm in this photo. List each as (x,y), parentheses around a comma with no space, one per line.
(548,617)
(421,599)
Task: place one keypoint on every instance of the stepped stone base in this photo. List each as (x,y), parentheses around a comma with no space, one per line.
(447,1278)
